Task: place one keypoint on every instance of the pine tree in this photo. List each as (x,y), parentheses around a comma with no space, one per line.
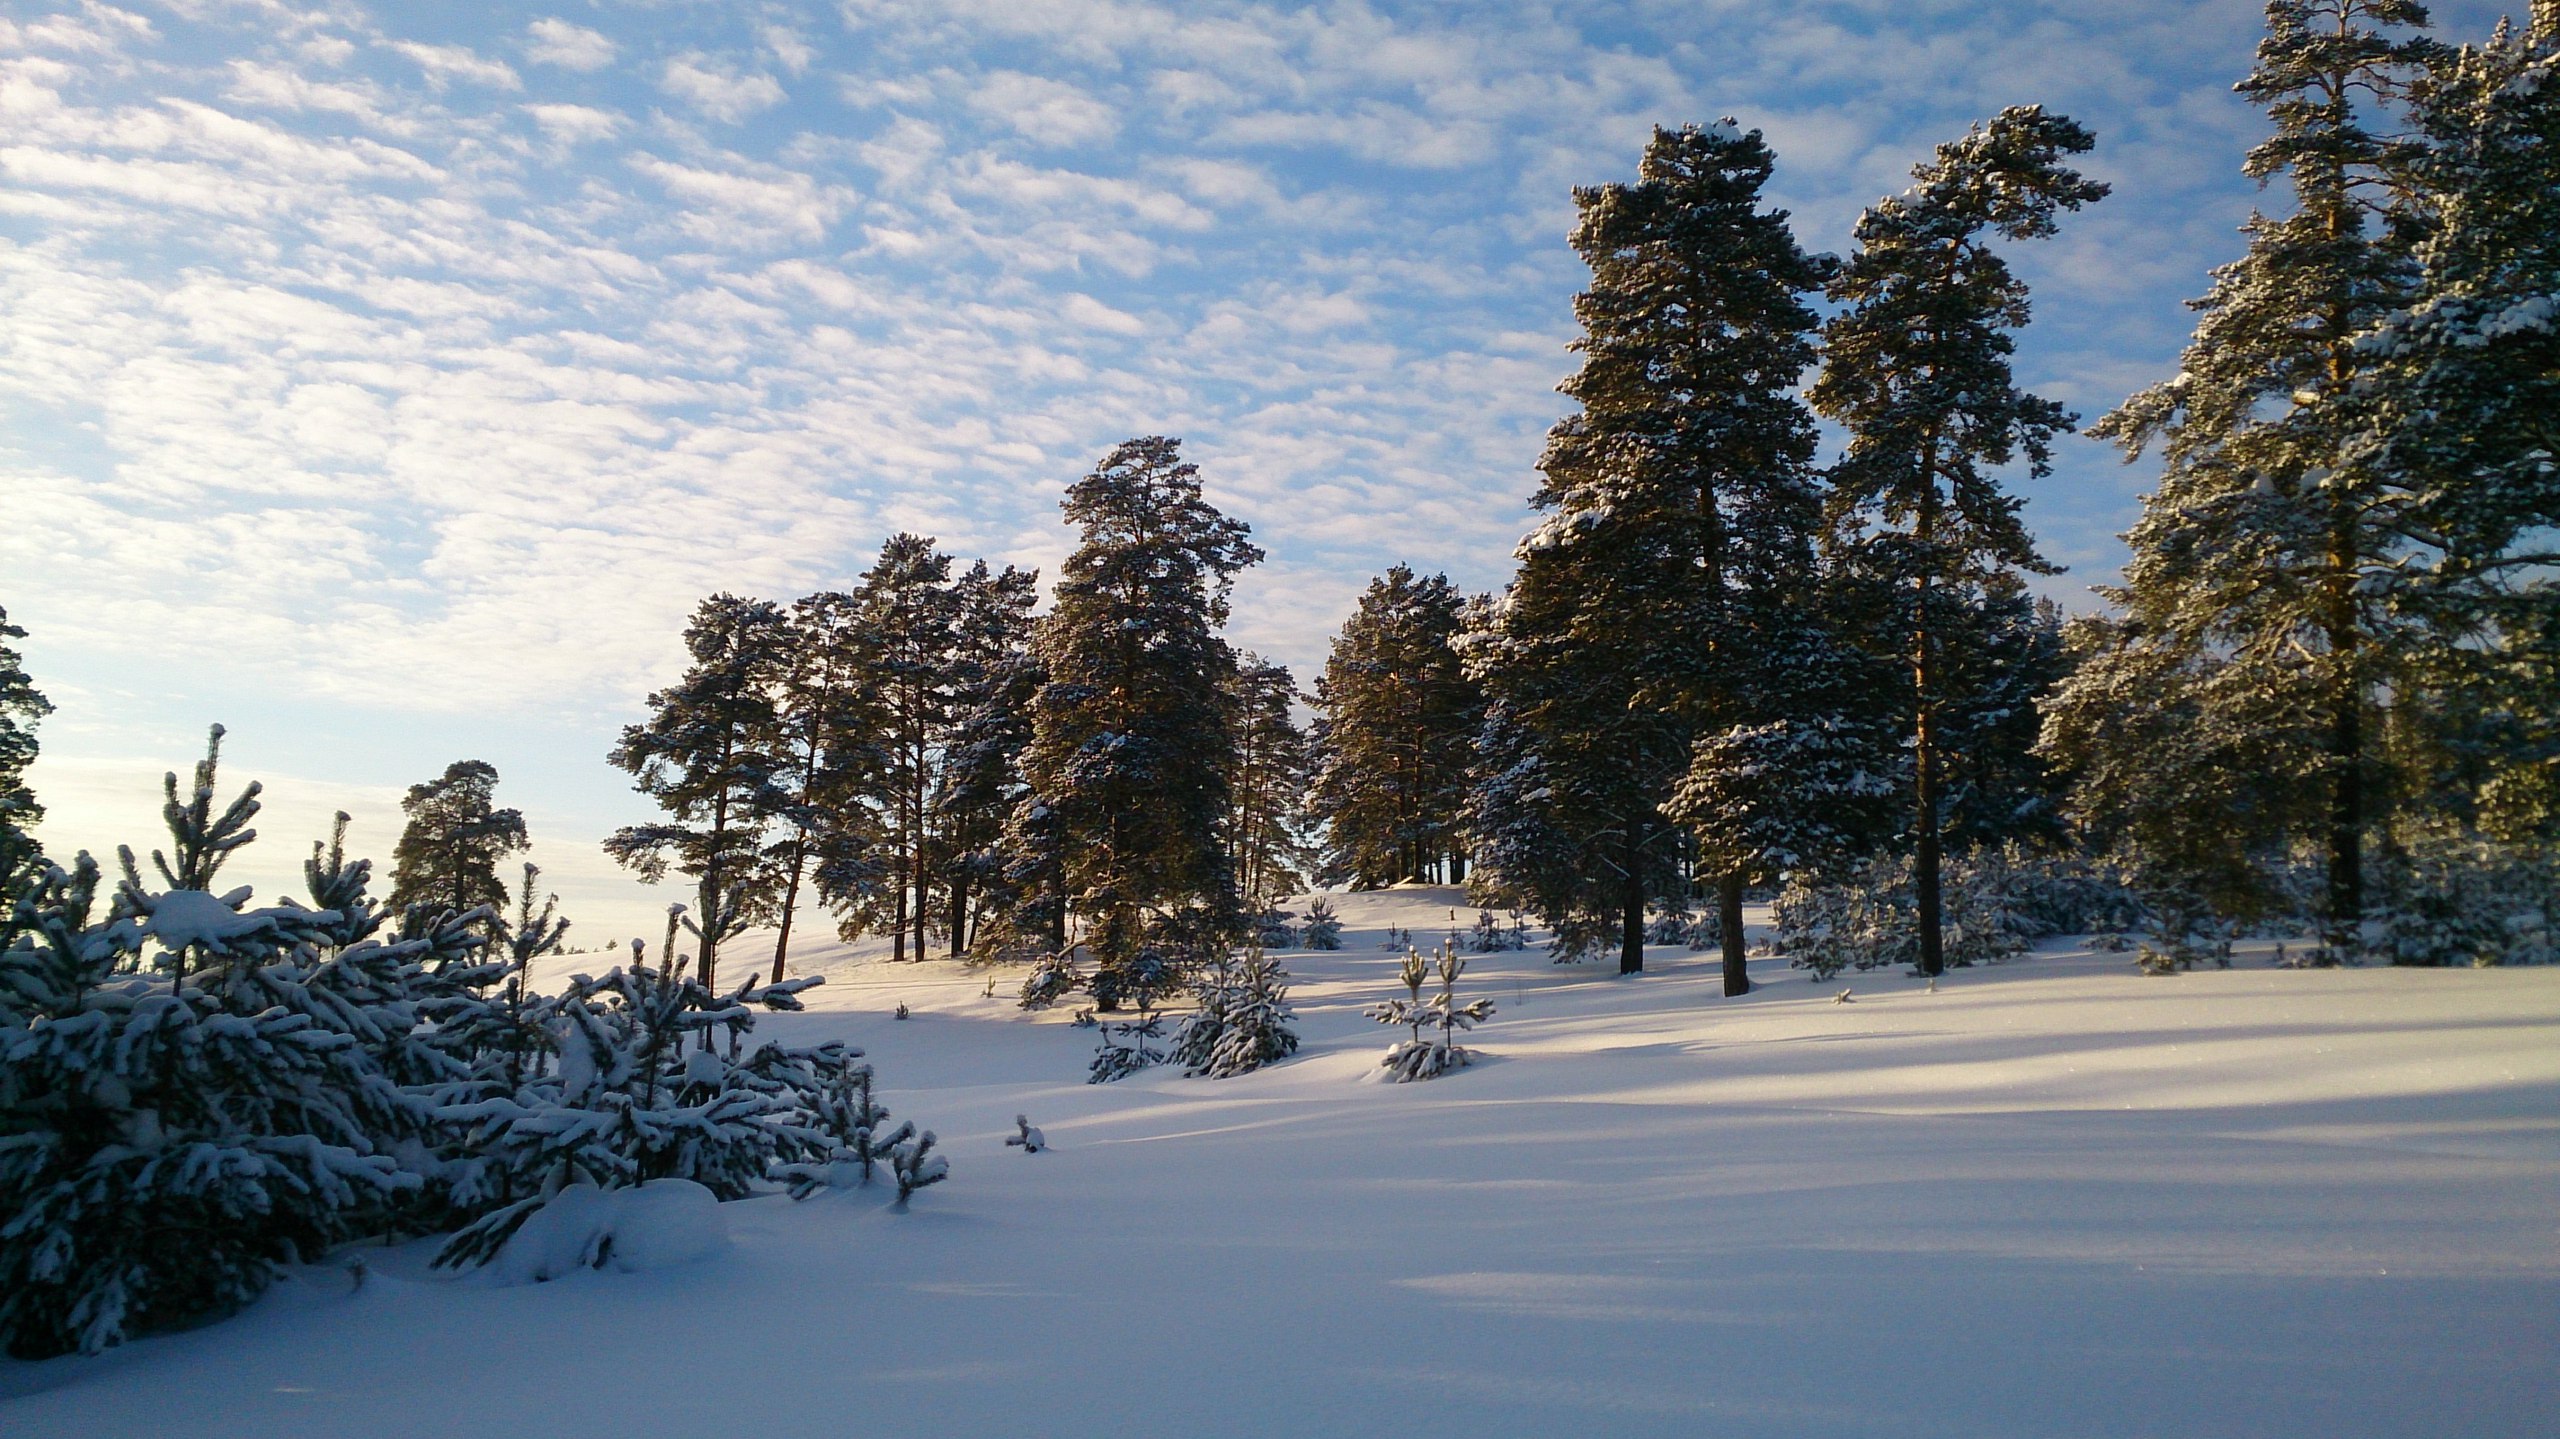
(454,841)
(2265,569)
(1394,738)
(188,1100)
(1267,787)
(21,706)
(1131,748)
(979,783)
(828,755)
(907,617)
(1916,369)
(1683,484)
(707,757)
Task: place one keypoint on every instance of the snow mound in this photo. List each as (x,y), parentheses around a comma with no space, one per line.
(662,1223)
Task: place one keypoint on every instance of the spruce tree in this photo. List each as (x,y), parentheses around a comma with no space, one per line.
(706,756)
(1916,369)
(908,617)
(1131,747)
(1683,482)
(979,782)
(1394,738)
(454,841)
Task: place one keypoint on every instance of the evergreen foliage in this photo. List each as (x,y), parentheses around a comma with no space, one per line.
(1397,717)
(708,757)
(1323,929)
(828,756)
(21,706)
(1243,1023)
(1266,785)
(908,623)
(1681,500)
(980,783)
(454,841)
(2316,540)
(1430,1050)
(1132,748)
(1916,369)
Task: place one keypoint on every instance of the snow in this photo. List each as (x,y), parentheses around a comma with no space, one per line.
(661,1223)
(2054,1197)
(190,916)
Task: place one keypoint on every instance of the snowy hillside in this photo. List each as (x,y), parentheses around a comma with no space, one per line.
(2051,1198)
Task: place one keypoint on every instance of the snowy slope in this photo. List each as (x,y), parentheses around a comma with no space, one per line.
(2053,1198)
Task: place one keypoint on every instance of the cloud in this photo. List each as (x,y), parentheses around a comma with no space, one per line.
(444,64)
(1044,111)
(571,47)
(718,91)
(575,124)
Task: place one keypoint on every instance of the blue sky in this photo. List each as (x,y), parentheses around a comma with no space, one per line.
(387,382)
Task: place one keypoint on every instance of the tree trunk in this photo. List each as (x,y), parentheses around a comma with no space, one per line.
(959,915)
(1631,911)
(1737,978)
(2346,821)
(790,901)
(898,923)
(1457,867)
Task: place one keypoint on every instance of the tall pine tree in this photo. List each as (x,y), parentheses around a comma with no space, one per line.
(454,841)
(828,755)
(707,756)
(1396,725)
(979,782)
(2261,601)
(1684,481)
(1916,369)
(1131,750)
(1267,787)
(908,618)
(21,705)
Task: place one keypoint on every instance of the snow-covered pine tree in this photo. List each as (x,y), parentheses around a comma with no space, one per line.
(2263,603)
(21,706)
(1916,369)
(707,756)
(180,1112)
(828,755)
(1394,739)
(1323,929)
(980,782)
(1684,479)
(1131,747)
(1432,1050)
(909,614)
(1243,1023)
(1268,786)
(454,841)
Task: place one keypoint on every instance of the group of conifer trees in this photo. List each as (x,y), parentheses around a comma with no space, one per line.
(1725,658)
(2335,645)
(931,762)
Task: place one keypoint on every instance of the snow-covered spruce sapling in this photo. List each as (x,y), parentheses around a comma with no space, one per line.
(1487,936)
(1129,1046)
(1025,1137)
(1323,929)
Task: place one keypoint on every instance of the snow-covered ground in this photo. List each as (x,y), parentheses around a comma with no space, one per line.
(2052,1198)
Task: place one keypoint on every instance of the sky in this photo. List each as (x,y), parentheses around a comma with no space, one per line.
(388,382)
